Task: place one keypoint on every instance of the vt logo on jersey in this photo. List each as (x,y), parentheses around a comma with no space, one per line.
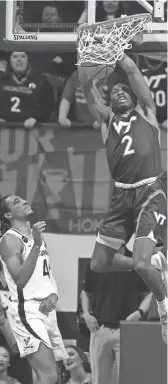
(124,124)
(127,139)
(160,218)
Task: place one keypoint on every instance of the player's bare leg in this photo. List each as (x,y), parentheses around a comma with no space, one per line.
(106,259)
(159,261)
(59,381)
(44,366)
(143,250)
(151,266)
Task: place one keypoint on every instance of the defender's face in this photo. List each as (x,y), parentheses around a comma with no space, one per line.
(18,208)
(120,98)
(19,62)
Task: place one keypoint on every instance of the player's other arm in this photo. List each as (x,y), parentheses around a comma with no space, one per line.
(146,299)
(138,84)
(100,112)
(11,250)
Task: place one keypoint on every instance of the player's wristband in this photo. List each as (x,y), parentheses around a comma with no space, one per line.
(141,313)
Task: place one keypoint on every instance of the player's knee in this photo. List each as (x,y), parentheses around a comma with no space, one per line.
(142,253)
(98,266)
(140,265)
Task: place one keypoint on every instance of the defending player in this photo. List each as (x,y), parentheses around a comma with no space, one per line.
(130,134)
(31,314)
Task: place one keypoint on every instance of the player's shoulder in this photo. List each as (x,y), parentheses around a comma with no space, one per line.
(148,114)
(9,241)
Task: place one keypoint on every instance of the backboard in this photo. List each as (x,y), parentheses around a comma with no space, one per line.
(28,21)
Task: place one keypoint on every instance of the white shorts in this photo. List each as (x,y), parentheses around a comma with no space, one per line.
(30,327)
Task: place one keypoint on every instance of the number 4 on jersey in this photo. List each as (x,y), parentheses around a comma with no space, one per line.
(46,268)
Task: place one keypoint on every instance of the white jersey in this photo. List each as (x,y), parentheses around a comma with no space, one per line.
(41,284)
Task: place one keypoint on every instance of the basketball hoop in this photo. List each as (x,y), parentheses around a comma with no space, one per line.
(105,42)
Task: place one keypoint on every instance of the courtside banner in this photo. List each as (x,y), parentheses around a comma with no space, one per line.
(62,174)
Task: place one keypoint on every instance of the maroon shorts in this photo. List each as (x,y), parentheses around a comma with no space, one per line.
(140,211)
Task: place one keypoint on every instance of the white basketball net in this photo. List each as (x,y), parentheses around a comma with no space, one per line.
(104,46)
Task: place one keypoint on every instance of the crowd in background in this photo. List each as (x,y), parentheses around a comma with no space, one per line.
(45,87)
(64,15)
(42,88)
(38,88)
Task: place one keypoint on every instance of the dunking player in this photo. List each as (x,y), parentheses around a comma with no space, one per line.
(31,314)
(131,137)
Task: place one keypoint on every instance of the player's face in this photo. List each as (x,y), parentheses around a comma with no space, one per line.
(74,359)
(4,359)
(110,7)
(18,208)
(19,62)
(120,99)
(50,15)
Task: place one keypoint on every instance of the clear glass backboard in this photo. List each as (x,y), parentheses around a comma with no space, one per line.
(44,21)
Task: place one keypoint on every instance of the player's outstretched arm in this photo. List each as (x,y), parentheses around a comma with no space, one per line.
(95,103)
(137,83)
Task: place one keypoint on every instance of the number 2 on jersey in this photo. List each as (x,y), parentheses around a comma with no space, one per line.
(46,268)
(128,150)
(15,104)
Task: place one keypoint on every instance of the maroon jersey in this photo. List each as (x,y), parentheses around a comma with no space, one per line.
(133,151)
(30,96)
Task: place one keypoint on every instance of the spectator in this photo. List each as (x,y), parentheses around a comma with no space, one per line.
(50,14)
(73,96)
(155,74)
(77,367)
(58,12)
(4,364)
(57,72)
(106,10)
(25,96)
(106,300)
